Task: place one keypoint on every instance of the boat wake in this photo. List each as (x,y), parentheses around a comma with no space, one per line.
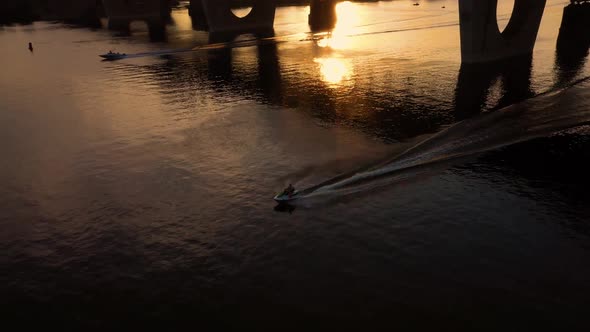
(541,116)
(221,45)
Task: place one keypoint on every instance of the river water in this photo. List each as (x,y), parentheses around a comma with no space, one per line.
(138,193)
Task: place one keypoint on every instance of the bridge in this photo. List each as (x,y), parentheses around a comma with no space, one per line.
(219,75)
(481,39)
(473,83)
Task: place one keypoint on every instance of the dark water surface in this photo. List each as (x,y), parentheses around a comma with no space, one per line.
(138,193)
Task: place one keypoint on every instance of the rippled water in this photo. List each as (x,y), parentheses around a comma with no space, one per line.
(138,193)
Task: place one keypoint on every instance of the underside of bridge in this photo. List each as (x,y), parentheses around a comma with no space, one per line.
(482,40)
(136,9)
(120,13)
(218,17)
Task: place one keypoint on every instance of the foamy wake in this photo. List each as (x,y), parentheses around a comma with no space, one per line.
(542,116)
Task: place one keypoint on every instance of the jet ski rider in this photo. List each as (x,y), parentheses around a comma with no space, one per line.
(290,190)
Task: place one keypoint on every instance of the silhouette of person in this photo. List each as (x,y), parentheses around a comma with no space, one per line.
(290,190)
(31,47)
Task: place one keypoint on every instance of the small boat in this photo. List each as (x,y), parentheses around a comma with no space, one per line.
(284,197)
(113,56)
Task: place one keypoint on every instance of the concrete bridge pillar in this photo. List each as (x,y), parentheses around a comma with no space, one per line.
(119,24)
(219,17)
(197,14)
(575,27)
(481,39)
(322,14)
(573,42)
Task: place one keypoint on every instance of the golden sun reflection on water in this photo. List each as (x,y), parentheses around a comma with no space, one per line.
(182,21)
(337,71)
(348,20)
(334,70)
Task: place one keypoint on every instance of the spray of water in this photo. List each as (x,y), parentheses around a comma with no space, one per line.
(541,116)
